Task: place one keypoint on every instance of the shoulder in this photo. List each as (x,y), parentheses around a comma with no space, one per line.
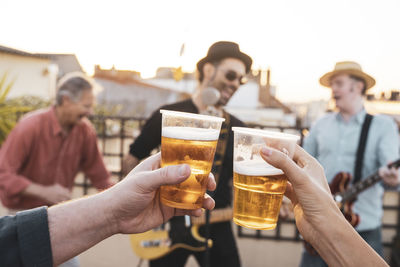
(184,105)
(34,119)
(326,119)
(384,122)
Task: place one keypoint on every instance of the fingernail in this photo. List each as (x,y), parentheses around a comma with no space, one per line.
(183,170)
(266,152)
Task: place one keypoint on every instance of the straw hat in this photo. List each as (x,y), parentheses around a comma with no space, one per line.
(347,67)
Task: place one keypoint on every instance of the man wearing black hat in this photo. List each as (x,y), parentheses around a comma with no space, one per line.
(220,74)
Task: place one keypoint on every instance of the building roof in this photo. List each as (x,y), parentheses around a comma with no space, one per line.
(66,62)
(12,51)
(128,78)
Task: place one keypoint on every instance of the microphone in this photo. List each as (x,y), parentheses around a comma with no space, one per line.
(210,96)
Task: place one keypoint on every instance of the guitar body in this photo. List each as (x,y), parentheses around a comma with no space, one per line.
(340,184)
(157,243)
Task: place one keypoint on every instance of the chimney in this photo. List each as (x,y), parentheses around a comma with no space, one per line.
(264,94)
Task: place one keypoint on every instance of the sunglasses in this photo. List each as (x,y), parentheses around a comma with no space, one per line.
(231,75)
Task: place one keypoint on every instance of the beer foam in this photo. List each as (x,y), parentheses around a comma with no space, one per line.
(266,134)
(255,168)
(190,133)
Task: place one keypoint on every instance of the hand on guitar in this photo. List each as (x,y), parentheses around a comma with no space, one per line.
(317,216)
(391,176)
(135,202)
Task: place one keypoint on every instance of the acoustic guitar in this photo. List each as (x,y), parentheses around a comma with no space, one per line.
(158,242)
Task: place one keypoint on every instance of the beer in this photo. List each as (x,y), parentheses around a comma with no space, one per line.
(258,192)
(193,146)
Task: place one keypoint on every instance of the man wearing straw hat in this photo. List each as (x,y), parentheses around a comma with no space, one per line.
(334,141)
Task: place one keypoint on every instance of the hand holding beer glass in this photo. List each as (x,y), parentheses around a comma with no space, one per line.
(258,186)
(192,139)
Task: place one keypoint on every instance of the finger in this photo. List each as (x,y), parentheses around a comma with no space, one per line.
(169,175)
(151,163)
(208,202)
(289,193)
(211,184)
(281,161)
(195,213)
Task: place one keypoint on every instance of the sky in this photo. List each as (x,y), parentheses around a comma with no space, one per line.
(298,40)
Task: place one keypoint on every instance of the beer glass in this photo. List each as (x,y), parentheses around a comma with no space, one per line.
(258,187)
(192,139)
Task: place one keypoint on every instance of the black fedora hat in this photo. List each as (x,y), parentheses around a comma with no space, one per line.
(224,49)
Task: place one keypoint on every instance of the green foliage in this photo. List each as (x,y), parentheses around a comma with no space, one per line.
(9,110)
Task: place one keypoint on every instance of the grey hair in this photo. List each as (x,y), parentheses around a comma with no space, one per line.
(72,85)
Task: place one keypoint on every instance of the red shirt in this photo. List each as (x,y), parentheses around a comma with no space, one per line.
(37,151)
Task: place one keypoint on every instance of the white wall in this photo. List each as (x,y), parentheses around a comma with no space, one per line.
(31,77)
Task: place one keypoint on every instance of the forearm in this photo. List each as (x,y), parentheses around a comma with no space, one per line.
(76,226)
(34,190)
(340,245)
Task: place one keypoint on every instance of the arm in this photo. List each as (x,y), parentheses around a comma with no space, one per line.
(13,154)
(131,206)
(388,150)
(149,138)
(310,143)
(318,218)
(93,165)
(25,240)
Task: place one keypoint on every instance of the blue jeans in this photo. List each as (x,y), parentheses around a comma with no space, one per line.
(372,237)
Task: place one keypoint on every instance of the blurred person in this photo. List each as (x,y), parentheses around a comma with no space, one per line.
(317,216)
(47,148)
(220,74)
(334,139)
(47,237)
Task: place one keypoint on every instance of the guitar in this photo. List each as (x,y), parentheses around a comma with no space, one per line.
(345,196)
(158,242)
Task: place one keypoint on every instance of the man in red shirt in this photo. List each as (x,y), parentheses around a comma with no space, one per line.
(47,148)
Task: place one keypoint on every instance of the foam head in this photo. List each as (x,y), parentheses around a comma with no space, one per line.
(190,133)
(255,168)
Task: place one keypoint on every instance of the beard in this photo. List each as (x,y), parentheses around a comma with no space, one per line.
(226,92)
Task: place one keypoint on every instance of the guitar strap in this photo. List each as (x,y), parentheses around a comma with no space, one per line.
(361,148)
(221,147)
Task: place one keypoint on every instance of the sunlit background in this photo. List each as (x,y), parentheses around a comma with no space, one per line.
(297,40)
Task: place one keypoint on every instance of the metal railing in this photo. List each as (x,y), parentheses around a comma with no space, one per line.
(121,128)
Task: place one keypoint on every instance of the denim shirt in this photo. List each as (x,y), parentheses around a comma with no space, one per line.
(333,142)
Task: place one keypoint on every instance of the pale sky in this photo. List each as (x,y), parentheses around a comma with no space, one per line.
(298,40)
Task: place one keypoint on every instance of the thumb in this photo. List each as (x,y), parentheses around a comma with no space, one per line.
(169,175)
(280,160)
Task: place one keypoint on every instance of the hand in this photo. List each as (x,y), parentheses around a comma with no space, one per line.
(135,201)
(128,163)
(307,189)
(54,194)
(391,176)
(286,210)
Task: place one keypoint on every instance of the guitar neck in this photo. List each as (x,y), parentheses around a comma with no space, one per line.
(218,215)
(359,187)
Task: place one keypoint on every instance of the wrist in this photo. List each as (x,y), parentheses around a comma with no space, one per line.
(107,209)
(335,236)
